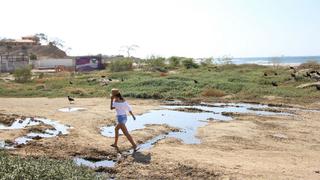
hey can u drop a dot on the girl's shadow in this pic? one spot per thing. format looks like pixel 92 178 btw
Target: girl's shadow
pixel 142 158
pixel 138 157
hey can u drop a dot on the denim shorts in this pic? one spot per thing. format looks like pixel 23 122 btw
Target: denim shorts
pixel 122 119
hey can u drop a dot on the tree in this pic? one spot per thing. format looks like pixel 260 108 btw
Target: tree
pixel 56 42
pixel 129 48
pixel 42 37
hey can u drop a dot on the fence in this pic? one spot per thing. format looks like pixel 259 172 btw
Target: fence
pixel 9 63
pixel 52 63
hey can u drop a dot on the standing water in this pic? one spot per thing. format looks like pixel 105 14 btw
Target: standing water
pixel 188 122
pixel 57 129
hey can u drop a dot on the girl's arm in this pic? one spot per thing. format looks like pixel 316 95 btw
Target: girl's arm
pixel 111 103
pixel 134 118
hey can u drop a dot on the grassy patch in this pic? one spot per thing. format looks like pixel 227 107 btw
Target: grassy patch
pixel 243 81
pixel 13 167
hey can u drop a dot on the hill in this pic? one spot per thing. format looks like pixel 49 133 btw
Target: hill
pixel 41 51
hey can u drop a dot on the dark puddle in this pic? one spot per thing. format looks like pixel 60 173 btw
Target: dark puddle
pixel 57 129
pixel 185 118
pixel 71 109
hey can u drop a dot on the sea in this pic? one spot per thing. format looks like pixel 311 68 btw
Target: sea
pixel 284 60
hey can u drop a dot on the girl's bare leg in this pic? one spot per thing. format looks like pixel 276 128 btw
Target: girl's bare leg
pixel 116 137
pixel 126 133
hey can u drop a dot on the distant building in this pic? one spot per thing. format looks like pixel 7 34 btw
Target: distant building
pixel 24 41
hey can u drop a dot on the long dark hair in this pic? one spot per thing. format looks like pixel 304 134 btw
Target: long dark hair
pixel 118 95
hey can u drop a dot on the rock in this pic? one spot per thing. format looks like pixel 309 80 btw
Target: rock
pixel 309 85
pixel 91 80
pixel 279 136
pixel 37 138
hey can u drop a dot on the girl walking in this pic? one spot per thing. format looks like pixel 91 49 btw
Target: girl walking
pixel 122 107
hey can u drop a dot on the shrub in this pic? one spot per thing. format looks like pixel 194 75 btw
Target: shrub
pixel 33 56
pixel 207 62
pixel 188 63
pixel 41 75
pixel 23 75
pixel 121 65
pixel 174 61
pixel 211 92
pixel 156 64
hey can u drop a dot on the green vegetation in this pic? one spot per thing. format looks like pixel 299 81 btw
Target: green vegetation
pixel 23 75
pixel 125 64
pixel 188 63
pixel 174 62
pixel 244 82
pixel 33 56
pixel 156 64
pixel 14 167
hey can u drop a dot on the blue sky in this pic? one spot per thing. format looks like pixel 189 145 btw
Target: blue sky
pixel 194 28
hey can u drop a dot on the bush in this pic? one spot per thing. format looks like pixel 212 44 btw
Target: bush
pixel 41 76
pixel 23 75
pixel 174 62
pixel 207 62
pixel 188 63
pixel 156 64
pixel 121 65
pixel 33 56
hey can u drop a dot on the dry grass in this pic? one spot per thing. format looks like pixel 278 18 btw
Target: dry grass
pixel 310 65
pixel 211 92
pixel 77 91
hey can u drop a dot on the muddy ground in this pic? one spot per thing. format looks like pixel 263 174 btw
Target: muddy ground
pixel 249 147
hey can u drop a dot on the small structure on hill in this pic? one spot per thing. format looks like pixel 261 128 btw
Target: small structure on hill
pixel 24 41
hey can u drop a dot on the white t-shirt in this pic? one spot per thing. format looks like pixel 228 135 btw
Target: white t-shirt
pixel 121 107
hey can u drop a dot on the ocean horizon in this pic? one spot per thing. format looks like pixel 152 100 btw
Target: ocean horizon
pixel 283 60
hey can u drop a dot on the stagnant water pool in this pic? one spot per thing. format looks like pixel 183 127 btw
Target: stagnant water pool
pixel 187 122
pixel 57 129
